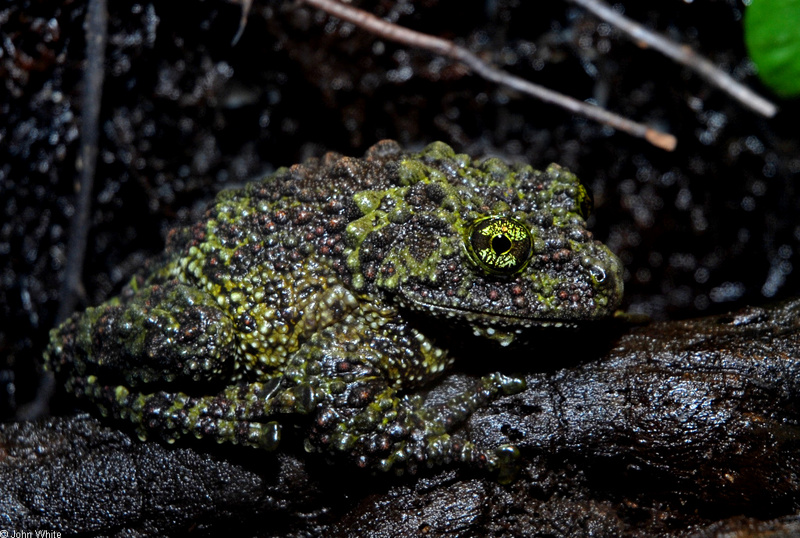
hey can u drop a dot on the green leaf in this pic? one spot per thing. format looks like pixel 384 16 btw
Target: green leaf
pixel 772 36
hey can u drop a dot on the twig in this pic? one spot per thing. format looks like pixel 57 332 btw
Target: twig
pixel 681 54
pixel 96 32
pixel 246 6
pixel 443 47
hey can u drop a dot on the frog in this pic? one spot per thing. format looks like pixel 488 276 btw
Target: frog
pixel 324 298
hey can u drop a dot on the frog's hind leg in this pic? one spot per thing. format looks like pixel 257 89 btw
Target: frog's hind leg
pixel 241 414
pixel 168 333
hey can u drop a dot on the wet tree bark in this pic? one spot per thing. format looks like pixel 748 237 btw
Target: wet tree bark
pixel 679 428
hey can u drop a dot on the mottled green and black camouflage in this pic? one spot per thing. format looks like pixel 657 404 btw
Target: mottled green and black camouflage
pixel 324 290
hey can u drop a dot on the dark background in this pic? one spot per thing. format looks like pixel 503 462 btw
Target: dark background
pixel 707 228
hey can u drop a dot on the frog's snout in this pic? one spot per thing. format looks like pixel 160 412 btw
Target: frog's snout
pixel 606 273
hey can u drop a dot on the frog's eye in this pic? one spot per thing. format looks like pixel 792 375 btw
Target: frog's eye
pixel 499 245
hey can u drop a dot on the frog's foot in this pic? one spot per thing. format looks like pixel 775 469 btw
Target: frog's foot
pixel 241 414
pixel 393 432
pixel 447 449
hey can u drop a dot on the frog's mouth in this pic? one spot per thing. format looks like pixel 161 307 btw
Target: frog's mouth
pixel 486 322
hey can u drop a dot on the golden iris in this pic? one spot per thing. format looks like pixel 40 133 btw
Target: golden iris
pixel 500 245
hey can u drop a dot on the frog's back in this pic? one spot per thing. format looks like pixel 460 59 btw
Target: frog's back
pixel 269 253
pixel 309 203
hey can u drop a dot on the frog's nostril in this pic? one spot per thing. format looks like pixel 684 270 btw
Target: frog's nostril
pixel 605 271
pixel 598 273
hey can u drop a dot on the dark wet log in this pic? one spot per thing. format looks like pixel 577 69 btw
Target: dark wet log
pixel 681 428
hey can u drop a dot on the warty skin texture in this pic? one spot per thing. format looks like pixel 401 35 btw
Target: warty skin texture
pixel 327 290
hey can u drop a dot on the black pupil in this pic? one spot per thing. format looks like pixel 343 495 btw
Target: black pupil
pixel 501 244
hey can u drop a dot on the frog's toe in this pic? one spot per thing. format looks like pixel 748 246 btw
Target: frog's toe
pixel 505 461
pixel 266 436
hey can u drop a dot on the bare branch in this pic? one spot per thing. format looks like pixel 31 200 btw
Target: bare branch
pixel 443 47
pixel 682 54
pixel 91 92
pixel 246 6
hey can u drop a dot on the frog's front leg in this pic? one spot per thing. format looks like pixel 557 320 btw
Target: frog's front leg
pixel 399 432
pixel 372 413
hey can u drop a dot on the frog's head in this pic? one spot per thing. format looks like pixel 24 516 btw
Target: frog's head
pixel 498 248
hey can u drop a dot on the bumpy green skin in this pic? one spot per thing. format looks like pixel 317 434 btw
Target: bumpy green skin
pixel 322 290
